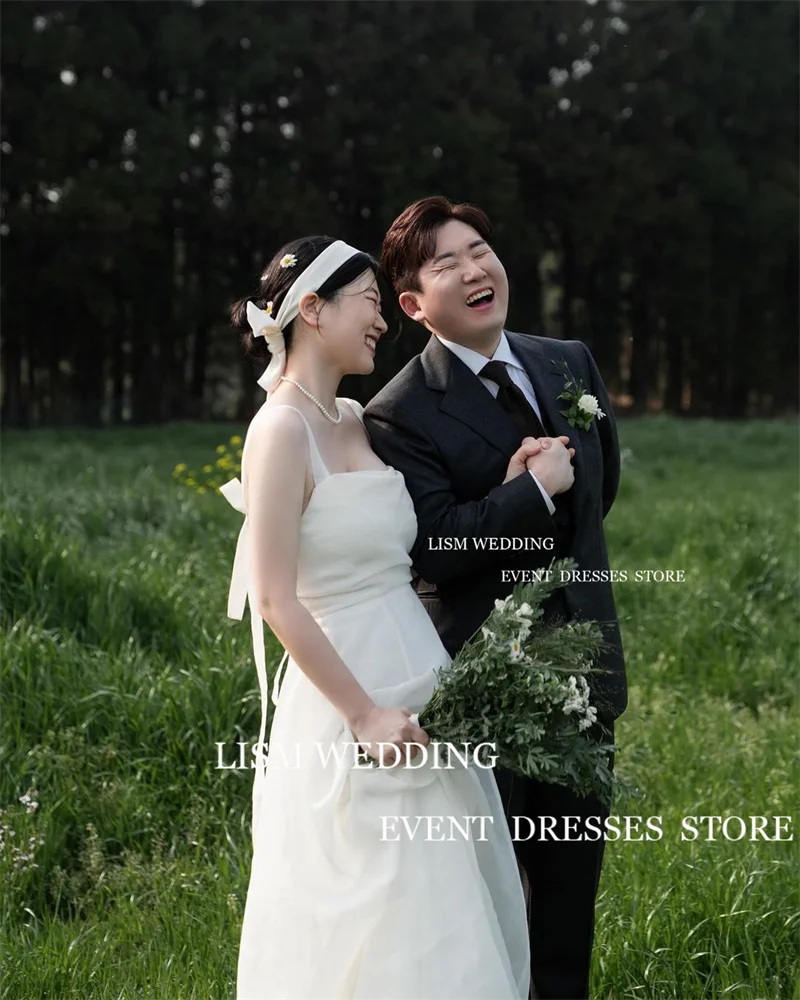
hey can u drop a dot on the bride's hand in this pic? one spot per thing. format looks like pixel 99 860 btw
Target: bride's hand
pixel 389 725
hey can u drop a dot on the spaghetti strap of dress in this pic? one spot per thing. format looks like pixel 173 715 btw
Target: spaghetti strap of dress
pixel 318 468
pixel 355 406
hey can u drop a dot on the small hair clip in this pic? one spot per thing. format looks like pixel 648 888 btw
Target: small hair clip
pixel 289 260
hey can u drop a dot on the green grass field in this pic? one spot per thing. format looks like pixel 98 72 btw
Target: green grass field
pixel 120 672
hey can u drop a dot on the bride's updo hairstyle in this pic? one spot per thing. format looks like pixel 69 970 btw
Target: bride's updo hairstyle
pixel 276 281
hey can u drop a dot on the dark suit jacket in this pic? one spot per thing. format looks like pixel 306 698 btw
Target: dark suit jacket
pixel 452 441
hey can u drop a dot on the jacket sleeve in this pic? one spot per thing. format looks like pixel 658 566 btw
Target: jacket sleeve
pixel 607 429
pixel 513 509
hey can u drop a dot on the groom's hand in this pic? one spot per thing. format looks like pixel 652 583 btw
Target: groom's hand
pixel 530 446
pixel 552 464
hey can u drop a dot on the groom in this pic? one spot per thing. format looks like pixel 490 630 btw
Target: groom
pixel 450 421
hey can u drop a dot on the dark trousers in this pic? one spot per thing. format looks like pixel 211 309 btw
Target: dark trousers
pixel 563 877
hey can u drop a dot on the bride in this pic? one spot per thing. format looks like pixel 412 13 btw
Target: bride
pixel 346 899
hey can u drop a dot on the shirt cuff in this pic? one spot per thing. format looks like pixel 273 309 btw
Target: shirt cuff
pixel 550 505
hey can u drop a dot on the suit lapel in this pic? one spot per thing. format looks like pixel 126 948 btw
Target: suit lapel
pixel 548 382
pixel 466 399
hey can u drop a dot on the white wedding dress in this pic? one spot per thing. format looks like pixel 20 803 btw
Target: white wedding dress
pixel 339 905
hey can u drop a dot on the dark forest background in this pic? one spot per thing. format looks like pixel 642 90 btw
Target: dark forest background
pixel 639 161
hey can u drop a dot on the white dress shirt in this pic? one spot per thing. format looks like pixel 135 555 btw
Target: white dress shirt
pixel 475 362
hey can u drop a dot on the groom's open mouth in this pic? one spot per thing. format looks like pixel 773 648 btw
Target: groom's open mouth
pixel 482 299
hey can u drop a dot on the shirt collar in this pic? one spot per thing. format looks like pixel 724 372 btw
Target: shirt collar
pixel 475 361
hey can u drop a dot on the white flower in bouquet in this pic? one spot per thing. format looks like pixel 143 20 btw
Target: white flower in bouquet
pixel 524 630
pixel 577 693
pixel 589 718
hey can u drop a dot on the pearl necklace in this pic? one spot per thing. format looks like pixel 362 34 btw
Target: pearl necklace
pixel 334 420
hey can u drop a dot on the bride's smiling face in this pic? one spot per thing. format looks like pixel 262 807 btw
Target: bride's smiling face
pixel 348 327
pixel 464 288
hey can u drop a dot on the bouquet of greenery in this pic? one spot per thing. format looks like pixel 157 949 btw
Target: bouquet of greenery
pixel 520 684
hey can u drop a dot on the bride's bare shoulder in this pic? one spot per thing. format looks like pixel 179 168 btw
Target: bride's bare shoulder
pixel 278 424
pixel 280 416
pixel 276 449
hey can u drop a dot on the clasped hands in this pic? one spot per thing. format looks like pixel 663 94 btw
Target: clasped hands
pixel 548 458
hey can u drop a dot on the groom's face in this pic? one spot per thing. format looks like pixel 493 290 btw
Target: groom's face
pixel 462 265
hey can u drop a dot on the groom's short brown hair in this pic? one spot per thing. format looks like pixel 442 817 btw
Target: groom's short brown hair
pixel 411 238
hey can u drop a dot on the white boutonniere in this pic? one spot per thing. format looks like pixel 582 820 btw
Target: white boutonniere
pixel 583 406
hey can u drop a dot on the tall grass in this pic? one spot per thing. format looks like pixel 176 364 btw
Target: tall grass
pixel 120 673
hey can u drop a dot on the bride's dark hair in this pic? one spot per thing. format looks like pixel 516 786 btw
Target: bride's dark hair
pixel 276 281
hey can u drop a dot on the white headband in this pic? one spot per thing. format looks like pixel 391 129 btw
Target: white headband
pixel 263 324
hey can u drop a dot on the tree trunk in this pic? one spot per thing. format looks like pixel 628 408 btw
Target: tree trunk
pixel 568 284
pixel 673 395
pixel 602 304
pixel 640 380
pixel 14 410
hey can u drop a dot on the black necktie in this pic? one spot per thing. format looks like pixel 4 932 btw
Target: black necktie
pixel 513 400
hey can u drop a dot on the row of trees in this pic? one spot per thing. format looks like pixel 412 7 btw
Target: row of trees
pixel 639 161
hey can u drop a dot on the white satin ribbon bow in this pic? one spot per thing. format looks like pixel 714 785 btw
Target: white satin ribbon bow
pixel 263 325
pixel 239 593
